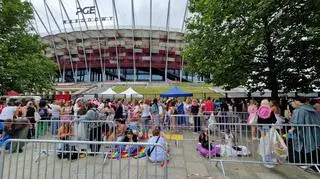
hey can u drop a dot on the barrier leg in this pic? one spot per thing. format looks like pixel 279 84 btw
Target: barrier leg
pixel 222 167
pixel 317 168
pixel 105 158
pixel 42 152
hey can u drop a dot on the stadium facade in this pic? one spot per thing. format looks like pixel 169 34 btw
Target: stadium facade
pixel 124 40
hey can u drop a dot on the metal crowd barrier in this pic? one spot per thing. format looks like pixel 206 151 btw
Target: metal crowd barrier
pixel 181 127
pixel 79 129
pixel 31 163
pixel 278 144
pixel 242 115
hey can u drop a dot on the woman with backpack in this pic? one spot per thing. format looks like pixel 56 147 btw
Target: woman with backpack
pixel 265 116
pixel 30 116
pixel 43 111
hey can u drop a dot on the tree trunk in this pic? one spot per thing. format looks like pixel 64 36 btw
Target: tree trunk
pixel 274 89
pixel 272 75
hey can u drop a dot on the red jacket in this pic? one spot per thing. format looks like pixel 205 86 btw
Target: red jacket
pixel 209 106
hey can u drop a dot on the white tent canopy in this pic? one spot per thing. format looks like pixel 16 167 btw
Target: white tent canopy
pixel 242 92
pixel 109 91
pixel 130 93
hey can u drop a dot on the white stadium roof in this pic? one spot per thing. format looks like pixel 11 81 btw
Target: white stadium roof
pixel 64 16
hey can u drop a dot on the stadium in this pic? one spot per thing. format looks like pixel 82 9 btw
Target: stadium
pixel 113 40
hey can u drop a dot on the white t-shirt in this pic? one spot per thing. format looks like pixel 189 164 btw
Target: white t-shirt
pixel 55 110
pixel 8 113
pixel 145 110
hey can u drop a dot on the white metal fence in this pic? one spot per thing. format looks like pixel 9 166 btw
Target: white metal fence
pixel 44 159
pixel 281 144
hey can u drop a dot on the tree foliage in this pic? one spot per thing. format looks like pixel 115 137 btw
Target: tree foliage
pixel 261 44
pixel 23 66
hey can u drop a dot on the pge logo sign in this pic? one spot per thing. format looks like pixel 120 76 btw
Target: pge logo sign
pixel 86 10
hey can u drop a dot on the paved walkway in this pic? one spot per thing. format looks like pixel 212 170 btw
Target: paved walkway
pixel 185 163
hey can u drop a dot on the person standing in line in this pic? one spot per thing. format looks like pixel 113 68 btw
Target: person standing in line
pixel 30 116
pixel 265 116
pixel 118 110
pixel 317 104
pixel 181 115
pixel 307 143
pixel 94 127
pixel 187 105
pixel 42 127
pixel 145 118
pixel 194 109
pixel 155 112
pixel 252 110
pixel 55 117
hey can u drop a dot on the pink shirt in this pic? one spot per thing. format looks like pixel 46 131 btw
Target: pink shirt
pixel 252 110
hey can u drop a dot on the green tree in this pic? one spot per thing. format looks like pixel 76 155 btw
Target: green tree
pixel 23 66
pixel 261 44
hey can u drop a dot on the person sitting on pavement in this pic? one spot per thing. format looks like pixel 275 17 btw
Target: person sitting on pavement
pixel 65 131
pixel 157 153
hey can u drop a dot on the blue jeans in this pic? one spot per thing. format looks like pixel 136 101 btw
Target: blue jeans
pixel 145 124
pixel 54 126
pixel 156 120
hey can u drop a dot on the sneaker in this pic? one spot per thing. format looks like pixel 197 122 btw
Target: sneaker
pixel 303 167
pixel 268 165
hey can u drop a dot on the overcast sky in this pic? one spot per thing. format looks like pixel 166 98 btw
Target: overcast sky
pixel 123 7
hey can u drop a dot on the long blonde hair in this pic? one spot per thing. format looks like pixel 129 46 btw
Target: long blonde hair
pixel 265 102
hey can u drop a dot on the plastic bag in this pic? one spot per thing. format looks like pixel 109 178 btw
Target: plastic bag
pixel 265 149
pixel 191 120
pixel 37 116
pixel 280 148
pixel 272 147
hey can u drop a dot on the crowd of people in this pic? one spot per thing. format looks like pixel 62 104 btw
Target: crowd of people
pixel 304 148
pixel 132 121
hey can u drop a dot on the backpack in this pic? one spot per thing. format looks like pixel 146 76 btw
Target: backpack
pixel 155 109
pixel 43 112
pixel 264 112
